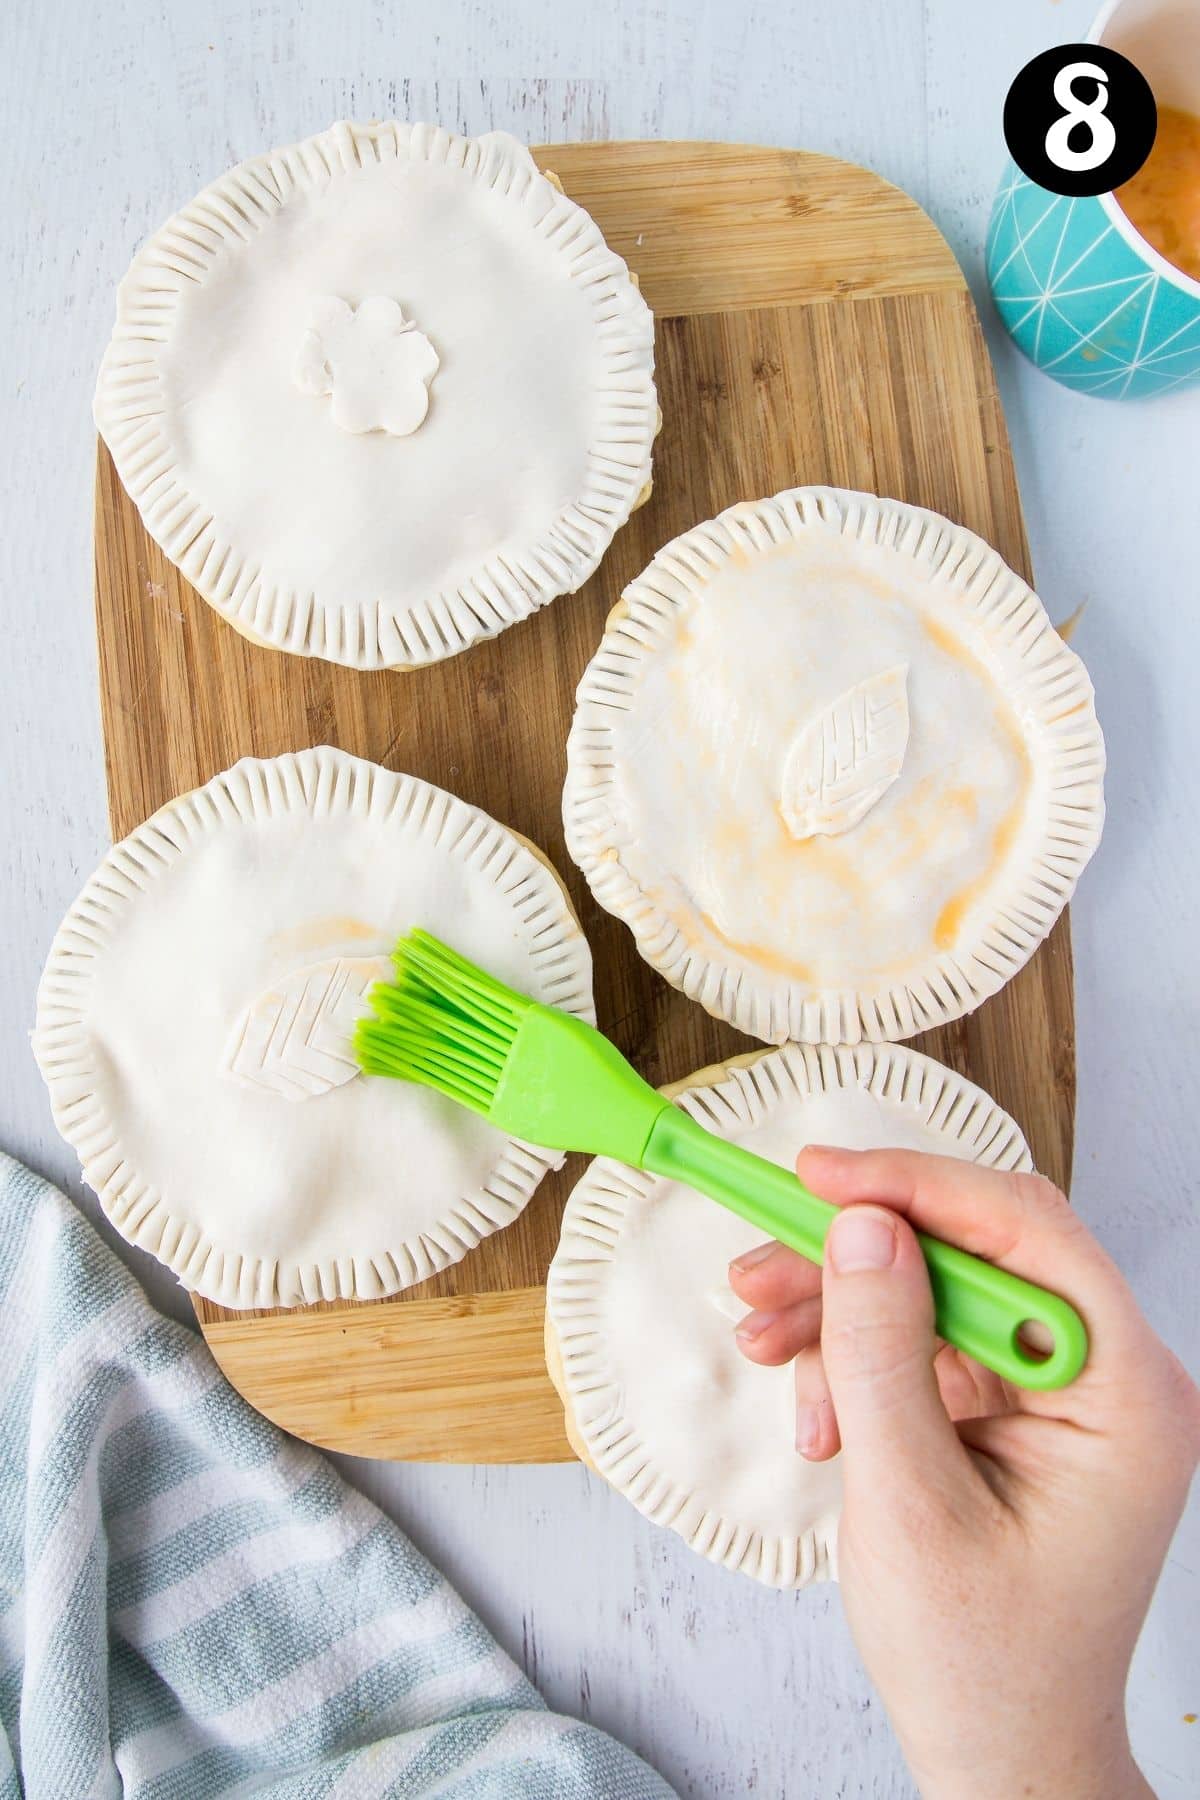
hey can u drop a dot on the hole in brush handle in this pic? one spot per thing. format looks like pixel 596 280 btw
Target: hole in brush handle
pixel 1003 1321
pixel 1035 1340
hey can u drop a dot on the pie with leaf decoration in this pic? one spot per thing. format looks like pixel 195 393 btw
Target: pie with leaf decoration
pixel 195 1029
pixel 834 767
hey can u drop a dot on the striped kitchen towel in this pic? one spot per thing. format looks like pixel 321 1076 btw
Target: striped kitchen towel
pixel 194 1604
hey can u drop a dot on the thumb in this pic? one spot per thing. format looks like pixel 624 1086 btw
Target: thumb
pixel 877 1345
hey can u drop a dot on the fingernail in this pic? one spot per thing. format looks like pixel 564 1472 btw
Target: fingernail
pixel 861 1238
pixel 754 1324
pixel 753 1257
pixel 808 1429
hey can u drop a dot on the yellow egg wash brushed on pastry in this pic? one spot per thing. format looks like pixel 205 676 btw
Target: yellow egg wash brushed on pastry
pixel 824 856
pixel 694 927
pixel 918 823
pixel 841 878
pixel 761 953
pixel 318 934
pixel 684 639
pixel 894 841
pixel 950 919
pixel 818 575
pixel 959 652
pixel 902 836
pixel 962 799
pixel 948 643
pixel 1070 712
pixel 730 837
pixel 781 843
pixel 773 875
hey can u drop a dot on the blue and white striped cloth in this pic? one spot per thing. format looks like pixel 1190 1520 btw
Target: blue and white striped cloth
pixel 194 1604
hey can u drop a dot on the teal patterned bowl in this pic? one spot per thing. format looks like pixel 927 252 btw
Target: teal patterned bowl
pixel 1089 302
pixel 1084 296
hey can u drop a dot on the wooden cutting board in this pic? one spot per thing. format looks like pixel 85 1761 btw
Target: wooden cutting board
pixel 812 326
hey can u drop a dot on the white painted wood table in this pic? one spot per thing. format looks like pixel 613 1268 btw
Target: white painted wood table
pixel 114 115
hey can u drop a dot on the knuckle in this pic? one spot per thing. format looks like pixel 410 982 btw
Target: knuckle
pixel 1163 1407
pixel 1038 1196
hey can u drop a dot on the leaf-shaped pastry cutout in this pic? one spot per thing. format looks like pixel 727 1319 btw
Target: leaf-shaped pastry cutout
pixel 295 1038
pixel 847 757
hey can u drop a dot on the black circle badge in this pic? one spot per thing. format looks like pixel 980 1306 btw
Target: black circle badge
pixel 1080 119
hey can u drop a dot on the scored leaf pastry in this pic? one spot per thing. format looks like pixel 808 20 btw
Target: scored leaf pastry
pixel 195 1018
pixel 834 767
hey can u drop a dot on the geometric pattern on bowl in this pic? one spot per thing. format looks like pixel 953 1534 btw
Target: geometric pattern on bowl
pixel 1079 300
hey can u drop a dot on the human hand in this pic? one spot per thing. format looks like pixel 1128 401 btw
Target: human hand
pixel 998 1548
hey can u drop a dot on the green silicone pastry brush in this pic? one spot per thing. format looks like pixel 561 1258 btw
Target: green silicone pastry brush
pixel 551 1079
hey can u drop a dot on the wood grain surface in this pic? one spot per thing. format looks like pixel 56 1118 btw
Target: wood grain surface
pixel 812 326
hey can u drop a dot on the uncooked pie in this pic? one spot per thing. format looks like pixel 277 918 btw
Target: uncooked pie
pixel 382 393
pixel 194 1024
pixel 640 1317
pixel 834 767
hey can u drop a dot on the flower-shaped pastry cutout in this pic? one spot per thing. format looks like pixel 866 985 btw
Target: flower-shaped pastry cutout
pixel 373 361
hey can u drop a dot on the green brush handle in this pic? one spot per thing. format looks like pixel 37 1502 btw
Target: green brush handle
pixel 978 1307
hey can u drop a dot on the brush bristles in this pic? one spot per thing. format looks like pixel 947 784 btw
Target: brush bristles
pixel 442 1022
